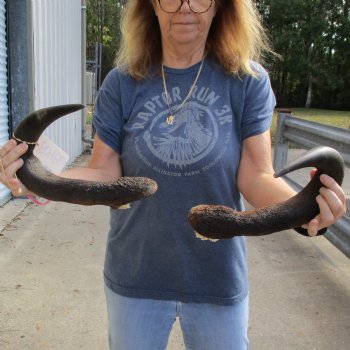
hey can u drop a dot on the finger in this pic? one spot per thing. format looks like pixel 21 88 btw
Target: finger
pixel 313 172
pixel 7 177
pixel 7 147
pixel 13 183
pixel 10 154
pixel 336 205
pixel 328 213
pixel 313 227
pixel 10 171
pixel 331 184
pixel 10 163
pixel 16 187
pixel 3 178
pixel 326 217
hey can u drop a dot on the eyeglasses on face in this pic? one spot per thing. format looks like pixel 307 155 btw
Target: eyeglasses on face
pixel 197 6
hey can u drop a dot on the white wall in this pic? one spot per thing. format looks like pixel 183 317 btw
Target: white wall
pixel 57 64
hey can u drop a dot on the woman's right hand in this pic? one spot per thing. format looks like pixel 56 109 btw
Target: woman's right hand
pixel 10 162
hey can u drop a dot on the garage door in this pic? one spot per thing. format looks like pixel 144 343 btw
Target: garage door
pixel 4 115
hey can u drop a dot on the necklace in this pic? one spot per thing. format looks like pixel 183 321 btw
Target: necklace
pixel 172 114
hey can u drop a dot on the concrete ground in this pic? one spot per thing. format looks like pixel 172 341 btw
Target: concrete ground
pixel 51 288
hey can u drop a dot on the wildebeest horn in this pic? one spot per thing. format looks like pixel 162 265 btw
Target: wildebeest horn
pixel 220 222
pixel 45 184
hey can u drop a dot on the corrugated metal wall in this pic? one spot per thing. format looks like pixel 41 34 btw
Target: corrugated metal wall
pixel 57 67
pixel 4 136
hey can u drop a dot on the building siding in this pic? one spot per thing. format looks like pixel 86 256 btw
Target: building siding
pixel 57 67
pixel 5 194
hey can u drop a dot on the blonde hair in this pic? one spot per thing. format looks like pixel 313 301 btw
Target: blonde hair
pixel 235 38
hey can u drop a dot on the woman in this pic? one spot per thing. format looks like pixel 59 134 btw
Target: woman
pixel 188 108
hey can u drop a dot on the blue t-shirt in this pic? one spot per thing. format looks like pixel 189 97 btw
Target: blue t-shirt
pixel 152 251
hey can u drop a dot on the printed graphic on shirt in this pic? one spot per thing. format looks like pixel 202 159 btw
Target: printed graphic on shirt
pixel 186 147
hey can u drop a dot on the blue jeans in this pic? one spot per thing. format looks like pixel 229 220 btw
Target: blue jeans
pixel 145 324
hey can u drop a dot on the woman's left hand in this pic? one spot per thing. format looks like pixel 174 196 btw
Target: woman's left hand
pixel 332 203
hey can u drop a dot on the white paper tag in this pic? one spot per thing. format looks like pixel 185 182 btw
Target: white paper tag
pixel 53 158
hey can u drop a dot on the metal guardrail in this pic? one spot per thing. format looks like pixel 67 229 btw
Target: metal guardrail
pixel 307 134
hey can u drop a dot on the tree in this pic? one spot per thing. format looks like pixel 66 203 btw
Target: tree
pixel 312 37
pixel 103 26
pixel 332 88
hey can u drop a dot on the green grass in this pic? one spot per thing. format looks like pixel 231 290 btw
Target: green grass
pixel 88 116
pixel 339 119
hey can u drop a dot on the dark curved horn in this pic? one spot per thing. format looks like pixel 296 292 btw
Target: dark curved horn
pixel 45 184
pixel 220 222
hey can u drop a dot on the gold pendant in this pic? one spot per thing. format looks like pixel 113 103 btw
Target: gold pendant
pixel 170 120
